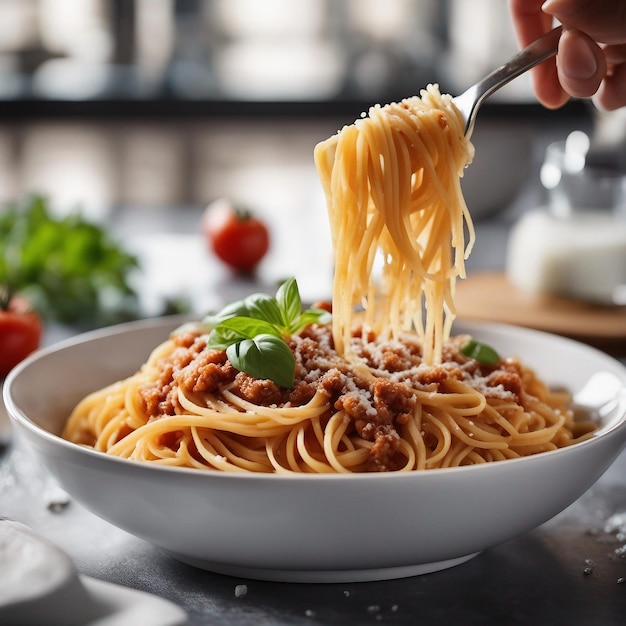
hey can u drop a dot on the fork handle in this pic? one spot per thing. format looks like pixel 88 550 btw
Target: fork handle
pixel 536 52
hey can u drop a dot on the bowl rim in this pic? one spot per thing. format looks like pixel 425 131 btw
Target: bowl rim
pixel 615 424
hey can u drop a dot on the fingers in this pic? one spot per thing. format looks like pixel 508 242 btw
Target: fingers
pixel 612 92
pixel 603 20
pixel 529 20
pixel 615 55
pixel 547 85
pixel 582 67
pixel 530 24
pixel 581 64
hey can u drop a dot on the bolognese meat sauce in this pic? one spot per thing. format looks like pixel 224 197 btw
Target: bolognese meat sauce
pixel 377 404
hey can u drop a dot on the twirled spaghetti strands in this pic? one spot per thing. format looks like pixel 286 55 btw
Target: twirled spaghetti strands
pixel 407 203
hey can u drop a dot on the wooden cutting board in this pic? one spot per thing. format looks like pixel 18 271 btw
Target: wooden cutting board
pixel 491 297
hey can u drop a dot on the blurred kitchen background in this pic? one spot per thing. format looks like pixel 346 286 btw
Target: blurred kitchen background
pixel 141 112
pixel 147 102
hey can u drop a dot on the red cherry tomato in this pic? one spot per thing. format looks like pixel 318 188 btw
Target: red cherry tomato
pixel 236 236
pixel 20 332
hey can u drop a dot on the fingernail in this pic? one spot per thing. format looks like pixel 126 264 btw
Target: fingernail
pixel 561 9
pixel 551 7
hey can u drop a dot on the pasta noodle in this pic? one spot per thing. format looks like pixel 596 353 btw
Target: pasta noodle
pixel 383 389
pixel 390 411
pixel 392 183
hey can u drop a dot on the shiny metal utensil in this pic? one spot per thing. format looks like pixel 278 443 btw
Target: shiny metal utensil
pixel 537 52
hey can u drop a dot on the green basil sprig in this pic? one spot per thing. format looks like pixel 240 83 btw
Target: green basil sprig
pixel 253 332
pixel 480 351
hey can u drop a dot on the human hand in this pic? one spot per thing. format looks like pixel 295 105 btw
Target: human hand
pixel 591 59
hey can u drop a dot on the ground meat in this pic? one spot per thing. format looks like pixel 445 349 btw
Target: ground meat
pixel 392 399
pixel 313 351
pixel 393 362
pixel 333 383
pixel 153 398
pixel 433 375
pixel 394 356
pixel 359 409
pixel 376 414
pixel 378 402
pixel 191 367
pixel 388 359
pixel 451 351
pixel 376 410
pixel 208 371
pixel 189 338
pixel 507 377
pixel 160 397
pixel 382 453
pixel 257 390
pixel 301 393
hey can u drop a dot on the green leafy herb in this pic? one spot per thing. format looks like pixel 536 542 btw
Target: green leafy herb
pixel 253 332
pixel 70 269
pixel 264 356
pixel 234 329
pixel 480 351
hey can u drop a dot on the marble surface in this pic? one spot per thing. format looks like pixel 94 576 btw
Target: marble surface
pixel 571 570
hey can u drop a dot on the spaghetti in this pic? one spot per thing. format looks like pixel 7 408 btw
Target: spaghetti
pixel 392 183
pixel 386 411
pixel 388 390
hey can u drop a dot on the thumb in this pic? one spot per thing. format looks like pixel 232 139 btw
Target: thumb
pixel 581 64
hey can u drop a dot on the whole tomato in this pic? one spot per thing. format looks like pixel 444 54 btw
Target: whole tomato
pixel 236 236
pixel 20 331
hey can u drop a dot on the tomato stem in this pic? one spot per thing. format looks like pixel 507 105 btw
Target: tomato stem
pixel 242 214
pixel 5 297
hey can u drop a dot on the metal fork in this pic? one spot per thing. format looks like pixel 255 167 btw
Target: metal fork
pixel 537 52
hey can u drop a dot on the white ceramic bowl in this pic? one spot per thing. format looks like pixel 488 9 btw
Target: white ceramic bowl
pixel 307 528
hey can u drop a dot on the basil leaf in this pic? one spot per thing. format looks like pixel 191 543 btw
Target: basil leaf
pixel 235 309
pixel 264 307
pixel 235 329
pixel 222 337
pixel 259 306
pixel 311 316
pixel 481 352
pixel 252 330
pixel 290 303
pixel 265 357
